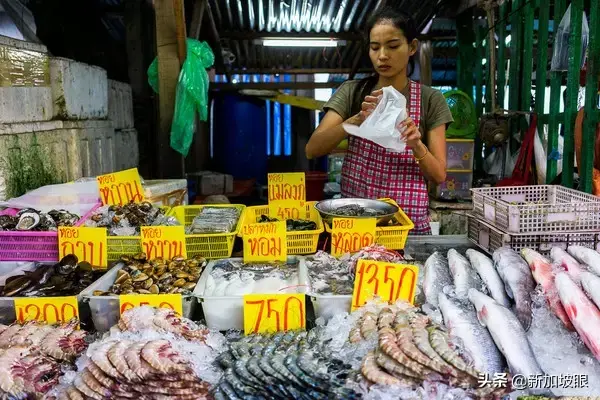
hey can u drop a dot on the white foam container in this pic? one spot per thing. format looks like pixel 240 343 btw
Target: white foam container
pixel 120 104
pixel 127 153
pixel 326 306
pixel 105 310
pixel 227 312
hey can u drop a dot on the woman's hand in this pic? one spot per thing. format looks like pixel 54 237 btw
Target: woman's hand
pixel 411 135
pixel 368 105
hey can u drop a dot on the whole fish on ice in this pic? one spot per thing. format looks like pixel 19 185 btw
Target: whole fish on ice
pixel 436 277
pixel 485 268
pixel 518 281
pixel 567 262
pixel 591 286
pixel 541 269
pixel 464 276
pixel 583 313
pixel 508 334
pixel 587 256
pixel 475 341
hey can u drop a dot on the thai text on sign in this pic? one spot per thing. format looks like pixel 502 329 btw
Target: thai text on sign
pixel 288 186
pixel 387 281
pixel 172 301
pixel 273 313
pixel 349 235
pixel 121 187
pixel 163 241
pixel 265 242
pixel 51 310
pixel 88 244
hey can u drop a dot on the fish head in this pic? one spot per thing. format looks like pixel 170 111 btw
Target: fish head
pixel 482 303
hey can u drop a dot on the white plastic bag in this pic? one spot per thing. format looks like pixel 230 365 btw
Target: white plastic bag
pixel 560 50
pixel 381 126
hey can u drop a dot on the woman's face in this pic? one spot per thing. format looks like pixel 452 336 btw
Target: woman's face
pixel 389 49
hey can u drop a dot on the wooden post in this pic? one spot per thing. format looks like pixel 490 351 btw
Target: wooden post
pixel 170 163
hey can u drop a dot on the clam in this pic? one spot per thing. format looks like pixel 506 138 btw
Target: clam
pixel 147 283
pixel 183 275
pixel 173 290
pixel 144 291
pixel 189 286
pixel 179 282
pixel 154 289
pixel 140 257
pixel 165 276
pixel 159 270
pixel 140 277
pixel 122 276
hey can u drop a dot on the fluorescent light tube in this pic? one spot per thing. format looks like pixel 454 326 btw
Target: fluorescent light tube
pixel 317 42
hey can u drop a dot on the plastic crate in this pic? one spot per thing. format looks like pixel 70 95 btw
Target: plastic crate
pixel 392 237
pixel 31 245
pixel 490 238
pixel 459 154
pixel 208 245
pixel 537 209
pixel 298 242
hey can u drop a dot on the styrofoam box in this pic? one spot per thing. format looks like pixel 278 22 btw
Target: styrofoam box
pixel 120 104
pixel 158 189
pixel 127 154
pixel 227 312
pixel 79 91
pixel 326 306
pixel 77 148
pixel 105 310
pixel 22 101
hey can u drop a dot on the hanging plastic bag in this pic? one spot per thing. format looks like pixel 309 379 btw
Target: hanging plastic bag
pixel 192 93
pixel 381 126
pixel 560 50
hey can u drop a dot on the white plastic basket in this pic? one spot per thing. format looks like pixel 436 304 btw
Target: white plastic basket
pixel 537 209
pixel 490 238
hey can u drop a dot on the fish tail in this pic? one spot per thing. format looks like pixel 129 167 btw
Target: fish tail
pixel 523 313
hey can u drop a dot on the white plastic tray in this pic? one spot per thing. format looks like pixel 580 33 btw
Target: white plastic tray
pixel 227 312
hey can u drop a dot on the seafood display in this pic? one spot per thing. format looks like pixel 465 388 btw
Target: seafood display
pixel 292 224
pixel 291 365
pixel 68 277
pixel 234 278
pixel 33 355
pixel 157 276
pixel 214 220
pixel 33 220
pixel 126 220
pixel 355 210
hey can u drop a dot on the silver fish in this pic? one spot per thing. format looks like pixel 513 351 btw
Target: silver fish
pixel 461 320
pixel 518 281
pixel 508 334
pixel 567 262
pixel 587 256
pixel 436 277
pixel 463 274
pixel 591 286
pixel 485 268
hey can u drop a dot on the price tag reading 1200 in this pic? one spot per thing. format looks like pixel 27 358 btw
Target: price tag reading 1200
pixel 163 242
pixel 121 187
pixel 172 301
pixel 265 242
pixel 51 310
pixel 387 281
pixel 273 313
pixel 88 244
pixel 349 235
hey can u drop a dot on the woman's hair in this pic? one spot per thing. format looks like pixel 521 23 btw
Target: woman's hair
pixel 401 21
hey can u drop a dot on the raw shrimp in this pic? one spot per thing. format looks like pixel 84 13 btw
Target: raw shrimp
pixel 439 342
pixel 371 371
pixel 369 324
pixel 387 343
pixel 161 356
pixel 116 356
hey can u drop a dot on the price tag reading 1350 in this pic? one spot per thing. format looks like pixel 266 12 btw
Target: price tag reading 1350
pixel 387 281
pixel 88 244
pixel 267 313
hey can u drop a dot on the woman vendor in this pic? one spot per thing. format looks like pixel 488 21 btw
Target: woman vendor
pixel 369 170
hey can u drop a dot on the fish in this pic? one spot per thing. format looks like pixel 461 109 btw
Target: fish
pixel 541 269
pixel 586 256
pixel 518 281
pixel 584 315
pixel 436 277
pixel 488 274
pixel 508 334
pixel 591 286
pixel 476 342
pixel 464 276
pixel 567 262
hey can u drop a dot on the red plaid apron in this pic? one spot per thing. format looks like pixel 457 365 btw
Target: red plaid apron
pixel 373 172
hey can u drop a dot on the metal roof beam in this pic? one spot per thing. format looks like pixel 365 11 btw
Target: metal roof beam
pixel 297 71
pixel 273 85
pixel 219 48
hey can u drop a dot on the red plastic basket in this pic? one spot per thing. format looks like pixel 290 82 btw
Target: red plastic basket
pixel 32 246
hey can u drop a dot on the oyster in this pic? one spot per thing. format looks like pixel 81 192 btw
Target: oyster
pixel 28 221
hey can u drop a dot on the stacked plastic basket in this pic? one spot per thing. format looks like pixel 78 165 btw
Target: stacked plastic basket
pixel 538 217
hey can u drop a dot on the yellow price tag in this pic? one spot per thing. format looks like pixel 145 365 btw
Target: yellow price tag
pixel 384 280
pixel 273 313
pixel 265 242
pixel 288 186
pixel 121 187
pixel 163 241
pixel 288 209
pixel 88 244
pixel 51 310
pixel 349 235
pixel 172 301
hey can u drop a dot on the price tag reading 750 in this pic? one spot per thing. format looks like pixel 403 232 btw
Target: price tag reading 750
pixel 387 281
pixel 267 313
